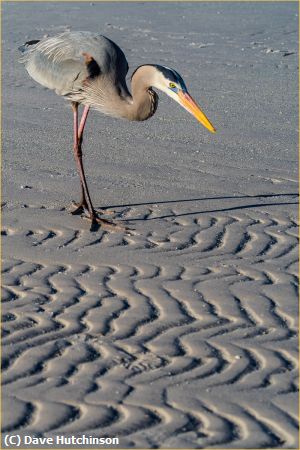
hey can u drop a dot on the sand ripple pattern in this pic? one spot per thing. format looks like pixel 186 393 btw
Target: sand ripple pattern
pixel 154 353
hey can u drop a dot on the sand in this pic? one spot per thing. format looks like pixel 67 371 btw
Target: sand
pixel 183 334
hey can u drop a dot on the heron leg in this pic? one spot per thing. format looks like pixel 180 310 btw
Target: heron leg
pixel 86 202
pixel 78 135
pixel 79 206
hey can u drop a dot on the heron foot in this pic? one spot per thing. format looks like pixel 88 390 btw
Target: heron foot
pixel 107 211
pixel 81 207
pixel 97 222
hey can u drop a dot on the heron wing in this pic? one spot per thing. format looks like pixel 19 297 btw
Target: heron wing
pixel 60 62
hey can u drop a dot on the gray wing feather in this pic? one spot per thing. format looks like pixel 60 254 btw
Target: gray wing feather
pixel 58 62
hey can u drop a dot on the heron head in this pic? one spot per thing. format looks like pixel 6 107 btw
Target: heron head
pixel 171 83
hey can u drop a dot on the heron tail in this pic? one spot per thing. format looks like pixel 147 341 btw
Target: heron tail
pixel 23 48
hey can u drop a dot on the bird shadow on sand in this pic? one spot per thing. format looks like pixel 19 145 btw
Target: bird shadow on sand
pixel 230 208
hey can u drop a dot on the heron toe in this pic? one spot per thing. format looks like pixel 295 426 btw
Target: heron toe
pixel 98 222
pixel 79 208
pixel 107 211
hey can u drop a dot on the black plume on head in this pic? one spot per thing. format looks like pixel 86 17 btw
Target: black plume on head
pixel 169 74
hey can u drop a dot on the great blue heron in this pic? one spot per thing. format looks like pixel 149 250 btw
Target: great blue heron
pixel 87 68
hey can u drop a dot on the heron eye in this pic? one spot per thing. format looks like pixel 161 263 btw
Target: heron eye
pixel 172 85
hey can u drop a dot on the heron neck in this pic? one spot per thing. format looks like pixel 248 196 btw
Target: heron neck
pixel 144 99
pixel 144 103
pixel 115 100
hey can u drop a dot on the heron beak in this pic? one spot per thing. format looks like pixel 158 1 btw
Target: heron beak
pixel 191 106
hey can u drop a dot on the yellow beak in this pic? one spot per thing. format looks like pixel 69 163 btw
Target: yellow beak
pixel 191 106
